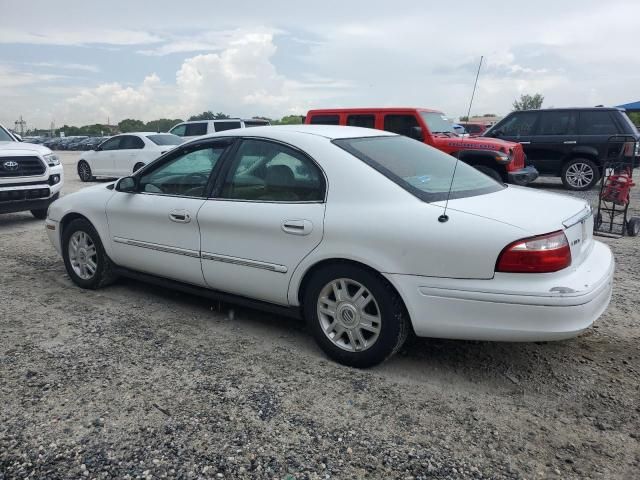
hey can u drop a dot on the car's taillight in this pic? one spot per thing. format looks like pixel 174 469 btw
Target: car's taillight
pixel 540 254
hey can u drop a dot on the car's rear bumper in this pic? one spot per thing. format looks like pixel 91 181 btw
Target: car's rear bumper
pixel 511 307
pixel 524 176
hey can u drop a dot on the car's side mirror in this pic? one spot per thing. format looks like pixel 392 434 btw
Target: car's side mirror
pixel 127 185
pixel 416 134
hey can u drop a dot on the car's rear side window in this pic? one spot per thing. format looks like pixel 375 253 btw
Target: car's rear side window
pixel 400 124
pixel 196 129
pixel 563 122
pixel 597 123
pixel 365 121
pixel 222 126
pixel 325 120
pixel 418 168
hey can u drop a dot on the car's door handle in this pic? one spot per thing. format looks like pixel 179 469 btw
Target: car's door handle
pixel 525 143
pixel 570 142
pixel 179 216
pixel 297 227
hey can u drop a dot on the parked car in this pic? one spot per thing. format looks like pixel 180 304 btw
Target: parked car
pixel 502 161
pixel 474 129
pixel 123 154
pixel 344 226
pixel 31 176
pixel 570 143
pixel 197 128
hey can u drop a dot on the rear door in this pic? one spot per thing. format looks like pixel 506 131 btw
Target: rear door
pixel 267 215
pixel 195 129
pixel 126 156
pixel 594 128
pixel 556 136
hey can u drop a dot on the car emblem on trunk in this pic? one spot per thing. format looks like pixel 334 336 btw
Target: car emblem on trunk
pixel 10 165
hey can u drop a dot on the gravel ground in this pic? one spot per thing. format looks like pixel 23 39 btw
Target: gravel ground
pixel 134 381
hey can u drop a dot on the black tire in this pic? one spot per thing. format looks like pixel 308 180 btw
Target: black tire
pixel 394 324
pixel 40 213
pixel 103 274
pixel 633 226
pixel 84 171
pixel 490 172
pixel 137 167
pixel 577 183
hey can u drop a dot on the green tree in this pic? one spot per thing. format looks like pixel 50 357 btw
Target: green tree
pixel 635 117
pixel 528 102
pixel 162 124
pixel 130 125
pixel 289 120
pixel 209 115
pixel 464 118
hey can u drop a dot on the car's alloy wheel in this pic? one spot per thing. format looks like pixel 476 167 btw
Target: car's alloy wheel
pixel 580 174
pixel 355 315
pixel 349 315
pixel 84 257
pixel 84 171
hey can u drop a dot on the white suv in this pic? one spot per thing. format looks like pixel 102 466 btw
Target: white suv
pixel 197 128
pixel 31 176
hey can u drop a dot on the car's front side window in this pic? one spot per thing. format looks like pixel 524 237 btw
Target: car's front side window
pixel 517 124
pixel 187 174
pixel 111 144
pixel 421 170
pixel 268 171
pixel 178 130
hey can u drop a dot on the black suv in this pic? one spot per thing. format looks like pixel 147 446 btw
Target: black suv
pixel 569 143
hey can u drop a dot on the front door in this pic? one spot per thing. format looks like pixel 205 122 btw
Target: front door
pixel 267 215
pixel 519 127
pixel 102 160
pixel 155 230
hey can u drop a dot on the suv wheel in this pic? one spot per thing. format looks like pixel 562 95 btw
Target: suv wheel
pixel 355 316
pixel 84 257
pixel 580 174
pixel 40 213
pixel 84 171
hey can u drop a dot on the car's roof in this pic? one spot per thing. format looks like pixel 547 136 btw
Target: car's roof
pixel 327 131
pixel 564 109
pixel 371 110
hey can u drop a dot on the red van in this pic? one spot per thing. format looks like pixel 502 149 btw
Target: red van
pixel 504 161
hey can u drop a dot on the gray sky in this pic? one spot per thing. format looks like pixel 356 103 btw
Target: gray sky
pixel 79 62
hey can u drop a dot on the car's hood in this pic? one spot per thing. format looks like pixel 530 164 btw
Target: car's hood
pixel 531 210
pixel 474 143
pixel 20 148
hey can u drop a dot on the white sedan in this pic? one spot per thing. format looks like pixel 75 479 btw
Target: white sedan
pixel 347 228
pixel 121 155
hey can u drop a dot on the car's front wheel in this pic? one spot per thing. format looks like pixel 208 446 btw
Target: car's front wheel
pixel 39 213
pixel 84 171
pixel 580 174
pixel 356 317
pixel 84 257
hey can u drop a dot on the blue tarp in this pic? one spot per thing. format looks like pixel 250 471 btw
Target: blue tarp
pixel 631 107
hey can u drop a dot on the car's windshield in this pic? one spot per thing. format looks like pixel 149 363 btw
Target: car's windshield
pixel 418 168
pixel 437 122
pixel 4 136
pixel 165 139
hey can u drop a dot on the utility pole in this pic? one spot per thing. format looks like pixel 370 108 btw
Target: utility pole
pixel 20 124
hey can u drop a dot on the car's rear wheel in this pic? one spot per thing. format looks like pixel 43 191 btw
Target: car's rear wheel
pixel 580 174
pixel 490 172
pixel 137 166
pixel 84 257
pixel 84 171
pixel 356 317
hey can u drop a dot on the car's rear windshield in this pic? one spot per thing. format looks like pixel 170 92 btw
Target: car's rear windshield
pixel 165 139
pixel 418 168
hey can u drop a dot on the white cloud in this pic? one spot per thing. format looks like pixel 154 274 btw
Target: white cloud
pixel 76 36
pixel 65 66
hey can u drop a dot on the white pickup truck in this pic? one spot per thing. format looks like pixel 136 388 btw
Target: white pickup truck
pixel 31 176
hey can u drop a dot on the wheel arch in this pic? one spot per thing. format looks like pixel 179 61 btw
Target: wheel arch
pixel 299 288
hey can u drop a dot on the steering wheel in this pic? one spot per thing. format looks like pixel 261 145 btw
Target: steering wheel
pixel 198 179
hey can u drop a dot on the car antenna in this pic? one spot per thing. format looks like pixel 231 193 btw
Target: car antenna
pixel 444 217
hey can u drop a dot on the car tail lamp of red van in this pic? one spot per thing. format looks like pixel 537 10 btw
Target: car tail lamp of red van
pixel 540 254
